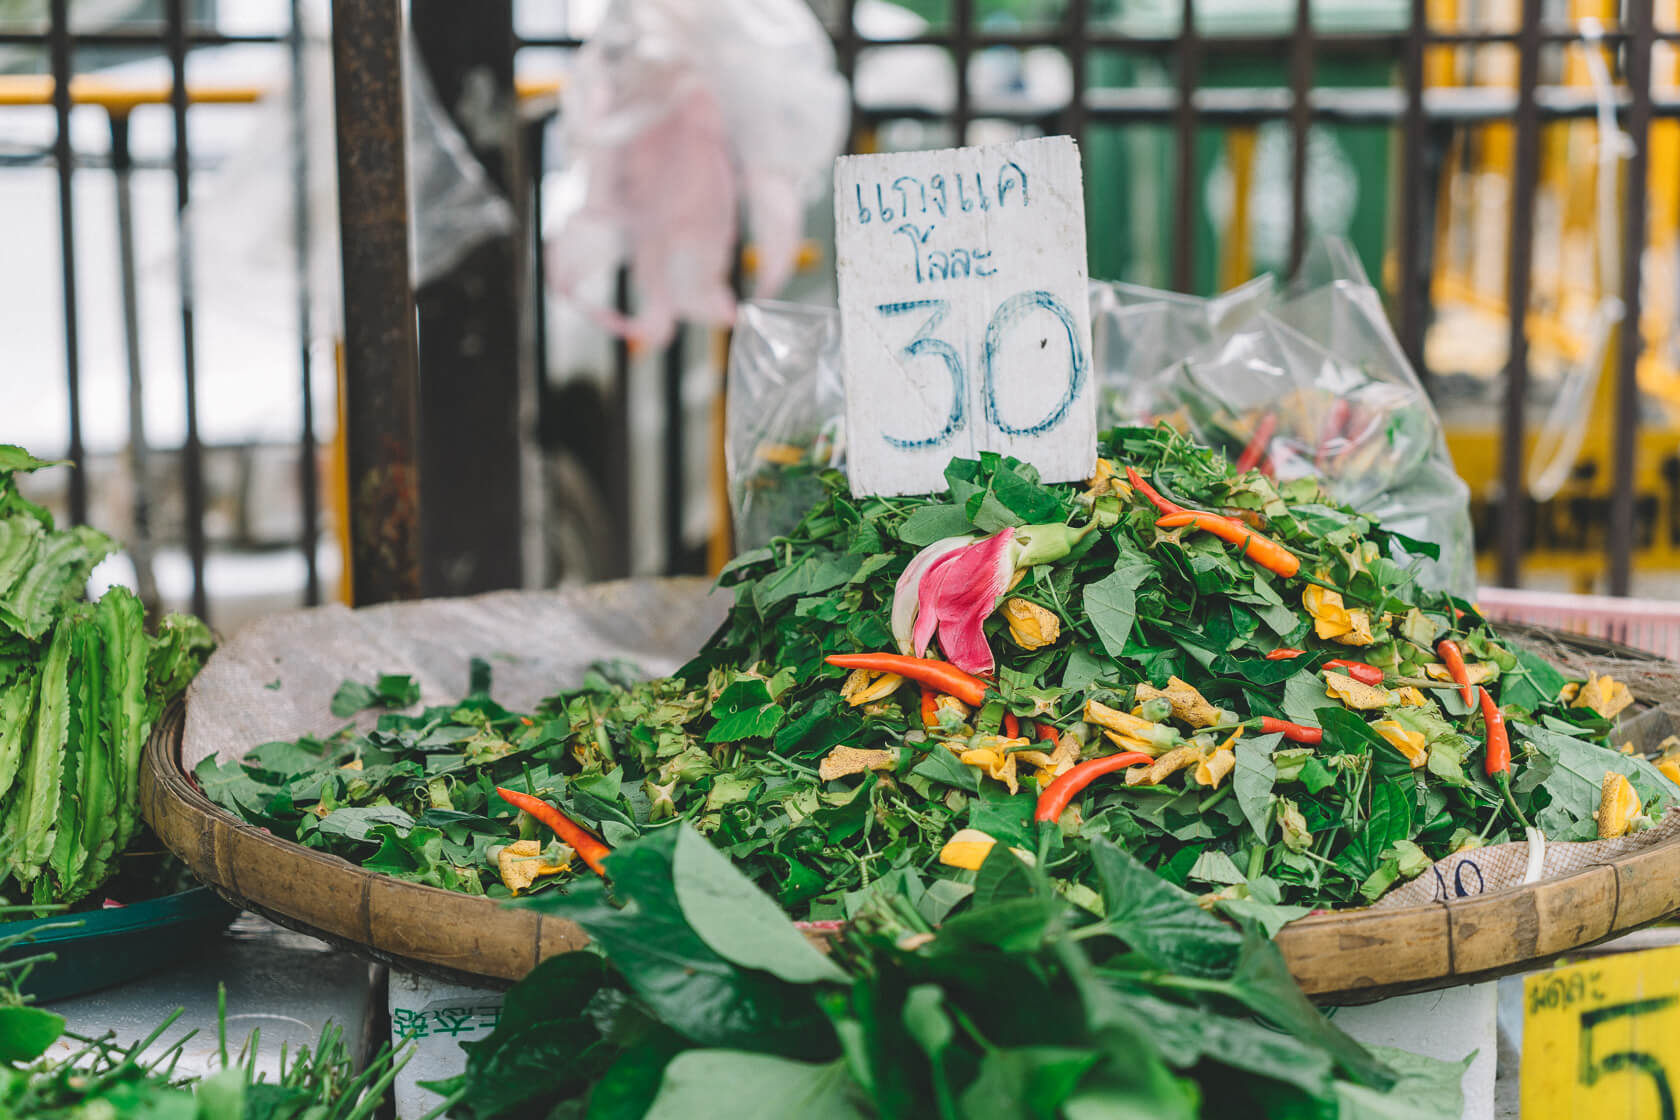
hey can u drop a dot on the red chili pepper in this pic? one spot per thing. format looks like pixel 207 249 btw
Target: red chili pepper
pixel 1151 493
pixel 1064 789
pixel 1498 739
pixel 1358 670
pixel 930 707
pixel 1284 653
pixel 1498 762
pixel 588 848
pixel 1294 732
pixel 1011 726
pixel 1447 650
pixel 939 675
pixel 1257 446
pixel 1262 550
pixel 1048 734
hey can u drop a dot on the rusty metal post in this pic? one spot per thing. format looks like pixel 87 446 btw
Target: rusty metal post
pixel 1184 176
pixel 1513 496
pixel 381 377
pixel 1300 130
pixel 1417 228
pixel 469 320
pixel 1624 455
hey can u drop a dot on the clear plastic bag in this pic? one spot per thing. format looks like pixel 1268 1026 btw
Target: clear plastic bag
pixel 785 414
pixel 243 222
pixel 676 115
pixel 1308 381
pixel 1305 381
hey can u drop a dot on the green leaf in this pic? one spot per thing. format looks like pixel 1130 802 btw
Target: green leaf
pixel 815 573
pixel 1427 1089
pixel 1577 768
pixel 683 981
pixel 356 823
pixel 353 697
pixel 1111 602
pixel 1263 984
pixel 1029 1081
pixel 1160 921
pixel 738 921
pixel 545 1047
pixel 1535 682
pixel 934 523
pixel 397 690
pixel 15 460
pixel 1390 820
pixel 26 1032
pixel 731 1085
pixel 1253 780
pixel 754 723
pixel 1303 696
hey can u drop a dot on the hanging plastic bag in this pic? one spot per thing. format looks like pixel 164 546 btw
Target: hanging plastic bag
pixel 677 115
pixel 1308 381
pixel 244 221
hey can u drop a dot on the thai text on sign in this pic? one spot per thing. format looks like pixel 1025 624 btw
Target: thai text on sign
pixel 965 319
pixel 1602 1038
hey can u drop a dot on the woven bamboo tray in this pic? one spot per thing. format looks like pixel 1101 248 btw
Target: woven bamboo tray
pixel 1337 958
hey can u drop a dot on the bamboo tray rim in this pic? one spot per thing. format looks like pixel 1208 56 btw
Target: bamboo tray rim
pixel 1344 957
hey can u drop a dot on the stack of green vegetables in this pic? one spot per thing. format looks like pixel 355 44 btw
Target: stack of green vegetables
pixel 80 686
pixel 98 1078
pixel 1241 683
pixel 710 1004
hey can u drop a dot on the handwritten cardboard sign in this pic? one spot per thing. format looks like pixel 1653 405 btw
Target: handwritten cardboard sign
pixel 965 321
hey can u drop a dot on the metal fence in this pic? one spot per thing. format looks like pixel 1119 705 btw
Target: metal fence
pixel 1408 108
pixel 1416 115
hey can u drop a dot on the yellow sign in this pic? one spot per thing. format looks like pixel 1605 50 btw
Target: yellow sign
pixel 1602 1039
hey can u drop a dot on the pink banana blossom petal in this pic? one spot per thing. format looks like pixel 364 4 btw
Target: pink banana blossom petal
pixel 958 593
pixel 906 592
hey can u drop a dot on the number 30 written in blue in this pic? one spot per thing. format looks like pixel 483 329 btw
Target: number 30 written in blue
pixel 1009 313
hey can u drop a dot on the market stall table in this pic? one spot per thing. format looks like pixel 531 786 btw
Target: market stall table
pixel 274 681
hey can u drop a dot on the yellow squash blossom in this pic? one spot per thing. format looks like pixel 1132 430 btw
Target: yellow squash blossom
pixel 1030 625
pixel 521 864
pixel 1106 480
pixel 1293 825
pixel 1411 696
pixel 1477 672
pixel 967 849
pixel 1155 737
pixel 1669 760
pixel 1053 764
pixel 1127 743
pixel 1410 743
pixel 1162 768
pixel 1604 695
pixel 865 687
pixel 995 755
pixel 1618 807
pixel 1333 621
pixel 1357 694
pixel 842 762
pixel 1188 704
pixel 1216 765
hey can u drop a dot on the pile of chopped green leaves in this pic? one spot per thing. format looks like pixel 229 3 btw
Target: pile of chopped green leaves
pixel 707 997
pixel 97 1077
pixel 81 684
pixel 734 742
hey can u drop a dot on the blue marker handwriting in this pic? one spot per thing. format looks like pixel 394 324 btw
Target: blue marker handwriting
pixel 926 344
